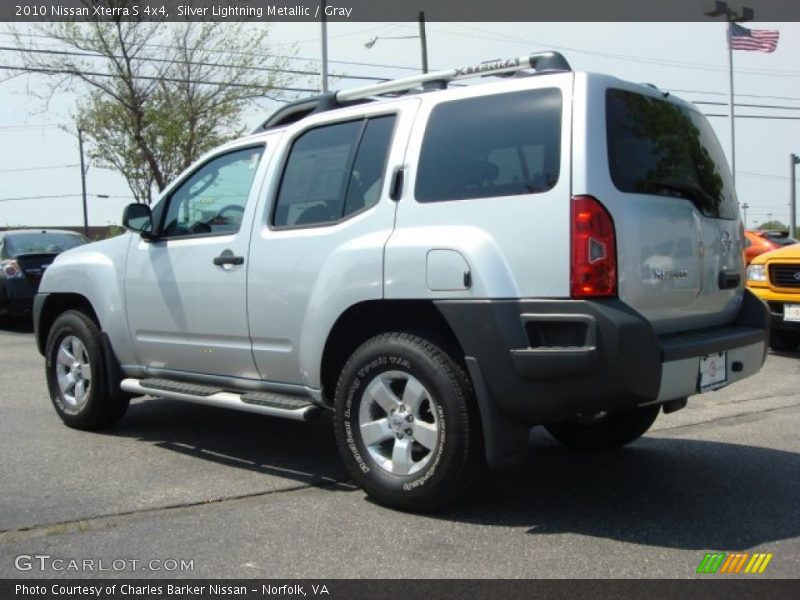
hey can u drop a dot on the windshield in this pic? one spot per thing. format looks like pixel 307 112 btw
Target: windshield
pixel 42 243
pixel 657 147
pixel 780 238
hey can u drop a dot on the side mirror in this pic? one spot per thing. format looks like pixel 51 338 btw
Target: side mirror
pixel 137 217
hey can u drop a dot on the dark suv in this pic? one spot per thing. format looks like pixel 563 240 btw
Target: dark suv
pixel 24 256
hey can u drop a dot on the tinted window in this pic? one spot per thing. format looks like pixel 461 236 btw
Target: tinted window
pixel 333 171
pixel 32 243
pixel 656 147
pixel 500 145
pixel 212 199
pixel 366 181
pixel 780 238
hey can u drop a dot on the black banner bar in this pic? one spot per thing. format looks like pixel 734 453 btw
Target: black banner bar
pixel 720 588
pixel 385 10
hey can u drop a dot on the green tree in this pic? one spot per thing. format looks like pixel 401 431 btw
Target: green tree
pixel 773 226
pixel 154 96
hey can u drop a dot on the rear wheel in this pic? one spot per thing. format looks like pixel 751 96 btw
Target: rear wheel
pixel 605 431
pixel 403 424
pixel 77 374
pixel 784 341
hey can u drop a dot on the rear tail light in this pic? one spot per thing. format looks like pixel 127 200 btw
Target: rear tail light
pixel 9 269
pixel 594 251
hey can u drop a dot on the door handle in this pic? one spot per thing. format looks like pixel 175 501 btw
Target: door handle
pixel 396 189
pixel 227 258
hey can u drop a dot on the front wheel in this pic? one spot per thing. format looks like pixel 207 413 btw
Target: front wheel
pixel 403 423
pixel 77 374
pixel 605 431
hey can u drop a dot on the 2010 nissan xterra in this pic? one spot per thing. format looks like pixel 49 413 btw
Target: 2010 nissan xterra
pixel 377 253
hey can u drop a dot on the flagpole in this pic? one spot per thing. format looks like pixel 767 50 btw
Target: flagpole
pixel 730 79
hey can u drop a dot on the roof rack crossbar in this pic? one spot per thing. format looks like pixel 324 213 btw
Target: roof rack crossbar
pixel 540 61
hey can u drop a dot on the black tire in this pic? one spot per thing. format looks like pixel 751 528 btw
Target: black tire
pixel 784 341
pixel 399 359
pixel 99 408
pixel 605 432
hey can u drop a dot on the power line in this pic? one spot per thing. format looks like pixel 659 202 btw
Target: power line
pixel 260 54
pixel 761 175
pixel 189 62
pixel 774 106
pixel 36 126
pixel 780 118
pixel 38 168
pixel 54 196
pixel 737 94
pixel 646 60
pixel 151 78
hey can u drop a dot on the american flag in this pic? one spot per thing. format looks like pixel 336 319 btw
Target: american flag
pixel 760 40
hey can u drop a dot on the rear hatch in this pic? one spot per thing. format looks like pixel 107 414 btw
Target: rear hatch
pixel 33 266
pixel 34 251
pixel 668 188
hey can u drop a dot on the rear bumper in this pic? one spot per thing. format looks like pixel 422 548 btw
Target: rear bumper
pixel 548 360
pixel 16 297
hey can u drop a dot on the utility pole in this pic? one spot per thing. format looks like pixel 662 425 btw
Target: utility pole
pixel 423 42
pixel 83 185
pixel 745 206
pixel 793 160
pixel 324 22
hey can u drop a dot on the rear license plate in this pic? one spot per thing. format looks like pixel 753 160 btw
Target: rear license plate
pixel 791 312
pixel 713 372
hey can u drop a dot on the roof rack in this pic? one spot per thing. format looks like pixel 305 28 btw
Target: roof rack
pixel 294 111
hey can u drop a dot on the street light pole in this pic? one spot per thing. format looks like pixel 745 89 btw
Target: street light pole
pixel 793 160
pixel 83 185
pixel 745 206
pixel 423 39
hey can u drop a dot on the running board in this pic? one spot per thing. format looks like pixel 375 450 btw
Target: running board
pixel 263 403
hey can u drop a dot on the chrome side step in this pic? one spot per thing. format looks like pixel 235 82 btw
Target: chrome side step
pixel 263 403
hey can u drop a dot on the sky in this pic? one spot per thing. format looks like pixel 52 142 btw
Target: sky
pixel 688 59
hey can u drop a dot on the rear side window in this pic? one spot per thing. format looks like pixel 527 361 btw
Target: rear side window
pixel 333 172
pixel 657 147
pixel 499 145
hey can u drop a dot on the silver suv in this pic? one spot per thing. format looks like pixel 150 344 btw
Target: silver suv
pixel 440 269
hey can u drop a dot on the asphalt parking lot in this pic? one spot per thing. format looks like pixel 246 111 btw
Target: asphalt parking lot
pixel 240 495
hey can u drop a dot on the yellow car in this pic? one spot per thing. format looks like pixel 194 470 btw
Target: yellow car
pixel 775 278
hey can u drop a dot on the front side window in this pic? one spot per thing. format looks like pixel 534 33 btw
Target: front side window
pixel 499 145
pixel 333 171
pixel 212 200
pixel 661 148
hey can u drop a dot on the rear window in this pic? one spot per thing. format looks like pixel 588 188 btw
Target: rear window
pixel 657 147
pixel 499 145
pixel 41 243
pixel 780 238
